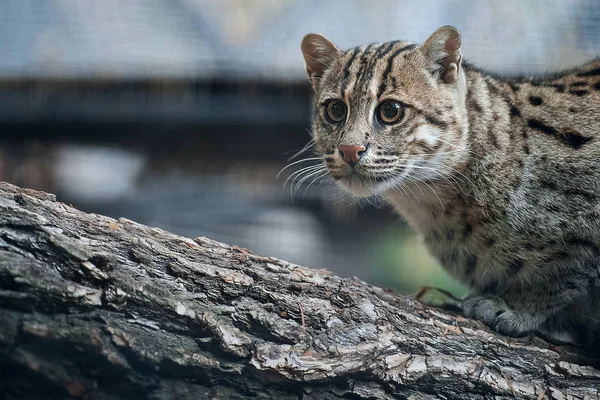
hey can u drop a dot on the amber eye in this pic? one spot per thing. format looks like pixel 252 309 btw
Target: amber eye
pixel 391 111
pixel 336 111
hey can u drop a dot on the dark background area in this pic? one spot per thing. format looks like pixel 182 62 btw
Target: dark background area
pixel 180 114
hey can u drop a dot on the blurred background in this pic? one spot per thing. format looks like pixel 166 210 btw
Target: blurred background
pixel 180 114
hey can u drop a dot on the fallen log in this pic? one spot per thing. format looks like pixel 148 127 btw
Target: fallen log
pixel 97 308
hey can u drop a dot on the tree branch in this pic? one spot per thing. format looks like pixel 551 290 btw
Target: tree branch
pixel 96 308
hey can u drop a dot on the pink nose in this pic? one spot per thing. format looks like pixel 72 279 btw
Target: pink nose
pixel 351 153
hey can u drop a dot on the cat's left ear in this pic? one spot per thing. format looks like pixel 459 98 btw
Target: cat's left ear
pixel 442 48
pixel 319 53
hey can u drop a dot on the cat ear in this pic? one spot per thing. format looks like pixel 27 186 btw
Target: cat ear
pixel 442 48
pixel 319 53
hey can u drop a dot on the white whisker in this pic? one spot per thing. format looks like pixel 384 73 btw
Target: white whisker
pixel 306 147
pixel 441 175
pixel 297 162
pixel 301 171
pixel 307 176
pixel 313 181
pixel 400 185
pixel 433 191
pixel 298 174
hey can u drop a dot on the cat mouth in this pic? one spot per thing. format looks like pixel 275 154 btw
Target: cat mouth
pixel 356 175
pixel 365 185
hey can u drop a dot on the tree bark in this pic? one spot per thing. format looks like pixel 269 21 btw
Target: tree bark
pixel 97 308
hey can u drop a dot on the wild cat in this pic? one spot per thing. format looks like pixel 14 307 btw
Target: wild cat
pixel 500 176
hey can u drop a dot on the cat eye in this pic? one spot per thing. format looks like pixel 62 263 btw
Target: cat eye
pixel 336 111
pixel 391 111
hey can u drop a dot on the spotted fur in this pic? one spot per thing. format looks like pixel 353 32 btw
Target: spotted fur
pixel 500 176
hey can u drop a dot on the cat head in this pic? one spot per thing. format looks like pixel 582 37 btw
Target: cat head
pixel 387 114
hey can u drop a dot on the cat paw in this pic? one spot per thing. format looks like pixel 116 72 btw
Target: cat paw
pixel 494 312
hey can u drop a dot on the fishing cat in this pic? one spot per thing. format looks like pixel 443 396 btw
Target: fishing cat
pixel 500 176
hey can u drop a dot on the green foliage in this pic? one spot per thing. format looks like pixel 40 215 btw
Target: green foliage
pixel 401 262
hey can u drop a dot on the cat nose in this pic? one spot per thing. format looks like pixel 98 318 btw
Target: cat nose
pixel 351 153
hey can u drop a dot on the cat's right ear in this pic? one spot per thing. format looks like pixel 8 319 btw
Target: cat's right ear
pixel 319 53
pixel 442 49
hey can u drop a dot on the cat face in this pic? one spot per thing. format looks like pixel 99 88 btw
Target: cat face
pixel 387 114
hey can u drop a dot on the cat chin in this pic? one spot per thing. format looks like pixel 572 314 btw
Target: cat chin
pixel 359 188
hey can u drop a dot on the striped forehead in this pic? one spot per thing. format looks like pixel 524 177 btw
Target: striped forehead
pixel 365 69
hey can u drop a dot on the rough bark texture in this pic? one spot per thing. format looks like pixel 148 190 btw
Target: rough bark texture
pixel 96 308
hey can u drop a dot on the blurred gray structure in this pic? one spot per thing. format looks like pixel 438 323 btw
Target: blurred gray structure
pixel 259 39
pixel 180 113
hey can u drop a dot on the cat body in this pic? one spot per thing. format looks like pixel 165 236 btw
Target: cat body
pixel 501 177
